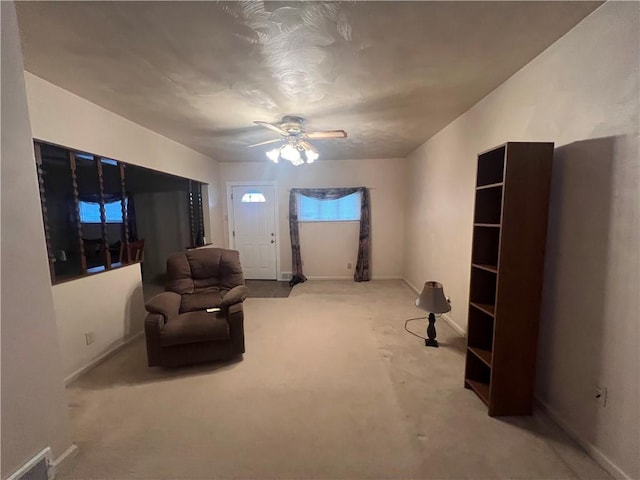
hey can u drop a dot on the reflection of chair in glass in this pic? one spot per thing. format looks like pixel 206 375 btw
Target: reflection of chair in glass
pixel 136 252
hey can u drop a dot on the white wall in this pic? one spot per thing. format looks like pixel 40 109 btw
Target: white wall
pixel 328 247
pixel 34 408
pixel 90 305
pixel 581 93
pixel 60 117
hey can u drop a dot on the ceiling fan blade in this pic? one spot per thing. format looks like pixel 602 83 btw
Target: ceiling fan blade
pixel 271 126
pixel 265 143
pixel 308 146
pixel 326 134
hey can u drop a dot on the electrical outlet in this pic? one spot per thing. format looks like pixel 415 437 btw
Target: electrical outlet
pixel 89 337
pixel 600 395
pixel 349 266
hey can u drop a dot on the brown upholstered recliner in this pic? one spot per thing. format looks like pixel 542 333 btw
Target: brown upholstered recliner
pixel 178 328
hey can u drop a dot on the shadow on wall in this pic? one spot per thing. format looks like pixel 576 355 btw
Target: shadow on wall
pixel 574 293
pixel 134 312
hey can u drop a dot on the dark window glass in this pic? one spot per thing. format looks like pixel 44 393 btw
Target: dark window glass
pixel 94 207
pixel 95 248
pixel 61 212
pixel 113 207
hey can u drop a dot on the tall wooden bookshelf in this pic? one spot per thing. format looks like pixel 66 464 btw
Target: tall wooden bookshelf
pixel 507 261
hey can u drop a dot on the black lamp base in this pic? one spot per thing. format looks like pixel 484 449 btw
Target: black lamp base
pixel 431 332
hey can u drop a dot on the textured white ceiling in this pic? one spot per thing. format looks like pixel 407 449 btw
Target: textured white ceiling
pixel 391 74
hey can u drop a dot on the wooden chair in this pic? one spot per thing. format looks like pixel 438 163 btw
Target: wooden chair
pixel 136 252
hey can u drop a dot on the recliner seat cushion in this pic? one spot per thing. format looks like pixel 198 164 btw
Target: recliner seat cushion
pixel 194 327
pixel 191 302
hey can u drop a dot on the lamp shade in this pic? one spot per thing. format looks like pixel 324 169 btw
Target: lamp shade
pixel 432 298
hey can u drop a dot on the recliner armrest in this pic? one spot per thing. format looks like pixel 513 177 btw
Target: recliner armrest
pixel 236 295
pixel 235 317
pixel 166 304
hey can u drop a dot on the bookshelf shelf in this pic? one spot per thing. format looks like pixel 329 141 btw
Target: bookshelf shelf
pixel 483 307
pixel 481 389
pixel 488 268
pixel 491 185
pixel 484 355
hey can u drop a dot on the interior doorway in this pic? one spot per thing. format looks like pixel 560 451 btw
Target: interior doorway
pixel 253 228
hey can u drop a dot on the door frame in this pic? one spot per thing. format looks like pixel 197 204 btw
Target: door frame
pixel 231 220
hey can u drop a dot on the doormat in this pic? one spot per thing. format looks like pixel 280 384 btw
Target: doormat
pixel 268 289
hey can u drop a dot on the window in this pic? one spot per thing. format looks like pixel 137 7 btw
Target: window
pixel 90 212
pixel 253 197
pixel 345 209
pixel 74 184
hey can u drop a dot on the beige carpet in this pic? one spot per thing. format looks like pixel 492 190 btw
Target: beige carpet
pixel 268 289
pixel 330 387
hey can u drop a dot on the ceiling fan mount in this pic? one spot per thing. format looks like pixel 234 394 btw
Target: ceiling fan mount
pixel 292 124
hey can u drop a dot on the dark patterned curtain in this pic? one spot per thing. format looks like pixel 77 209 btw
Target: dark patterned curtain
pixel 296 259
pixel 362 272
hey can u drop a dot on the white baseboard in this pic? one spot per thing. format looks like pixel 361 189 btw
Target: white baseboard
pixel 100 358
pixel 68 454
pixel 593 451
pixel 458 329
pixel 411 286
pixel 350 277
pixel 45 454
pixel 329 277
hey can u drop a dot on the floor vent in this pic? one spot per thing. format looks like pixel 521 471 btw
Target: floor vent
pixel 39 467
pixel 285 276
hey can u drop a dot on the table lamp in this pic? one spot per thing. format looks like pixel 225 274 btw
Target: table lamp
pixel 432 300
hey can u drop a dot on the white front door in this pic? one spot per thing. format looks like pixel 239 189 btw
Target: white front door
pixel 254 230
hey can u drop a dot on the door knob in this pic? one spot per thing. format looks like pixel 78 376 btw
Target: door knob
pixel 273 241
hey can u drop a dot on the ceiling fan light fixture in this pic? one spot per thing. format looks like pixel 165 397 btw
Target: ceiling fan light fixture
pixel 296 154
pixel 311 156
pixel 291 153
pixel 274 155
pixel 296 149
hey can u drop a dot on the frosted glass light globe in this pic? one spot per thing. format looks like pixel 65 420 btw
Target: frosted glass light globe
pixel 273 155
pixel 312 156
pixel 291 153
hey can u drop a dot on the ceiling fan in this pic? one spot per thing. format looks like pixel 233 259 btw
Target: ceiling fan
pixel 295 148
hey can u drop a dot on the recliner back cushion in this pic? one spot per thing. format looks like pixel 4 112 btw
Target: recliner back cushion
pixel 179 274
pixel 204 270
